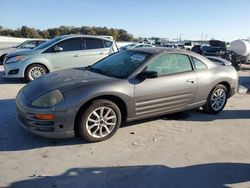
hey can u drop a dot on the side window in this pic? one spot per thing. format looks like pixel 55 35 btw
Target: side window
pixel 170 64
pixel 92 43
pixel 198 64
pixel 70 44
pixel 107 43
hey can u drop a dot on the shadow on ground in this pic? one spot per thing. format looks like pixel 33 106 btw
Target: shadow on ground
pixel 13 137
pixel 11 80
pixel 215 175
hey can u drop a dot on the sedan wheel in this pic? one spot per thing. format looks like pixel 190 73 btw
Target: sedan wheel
pixel 35 71
pixel 216 100
pixel 100 121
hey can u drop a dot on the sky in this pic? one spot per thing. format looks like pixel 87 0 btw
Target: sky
pixel 191 19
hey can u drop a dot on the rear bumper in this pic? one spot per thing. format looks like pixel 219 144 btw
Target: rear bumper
pixel 61 127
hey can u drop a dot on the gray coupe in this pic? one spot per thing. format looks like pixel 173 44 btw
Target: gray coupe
pixel 129 85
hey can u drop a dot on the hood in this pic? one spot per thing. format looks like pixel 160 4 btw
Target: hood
pixel 23 52
pixel 63 80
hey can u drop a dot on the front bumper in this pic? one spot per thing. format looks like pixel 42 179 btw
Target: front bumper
pixel 13 66
pixel 61 127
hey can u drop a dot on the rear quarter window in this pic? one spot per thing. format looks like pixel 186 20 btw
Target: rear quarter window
pixel 199 65
pixel 107 43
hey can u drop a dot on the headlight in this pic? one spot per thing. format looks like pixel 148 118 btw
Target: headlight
pixel 15 59
pixel 49 99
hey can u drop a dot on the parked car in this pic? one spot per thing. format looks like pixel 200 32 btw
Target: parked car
pixel 59 53
pixel 135 45
pixel 207 50
pixel 169 45
pixel 196 48
pixel 180 46
pixel 125 86
pixel 188 45
pixel 28 44
pixel 217 43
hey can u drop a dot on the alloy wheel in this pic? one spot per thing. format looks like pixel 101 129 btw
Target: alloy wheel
pixel 36 72
pixel 218 99
pixel 101 122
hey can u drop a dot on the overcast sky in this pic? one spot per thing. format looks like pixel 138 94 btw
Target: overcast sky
pixel 192 19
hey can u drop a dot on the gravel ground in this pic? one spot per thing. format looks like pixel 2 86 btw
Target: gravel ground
pixel 189 149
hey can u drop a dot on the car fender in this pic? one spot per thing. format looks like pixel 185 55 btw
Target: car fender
pixel 40 60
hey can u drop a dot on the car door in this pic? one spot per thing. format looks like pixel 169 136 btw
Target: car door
pixel 68 55
pixel 94 50
pixel 172 91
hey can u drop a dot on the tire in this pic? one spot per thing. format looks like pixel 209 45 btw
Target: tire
pixel 34 71
pixel 99 126
pixel 215 104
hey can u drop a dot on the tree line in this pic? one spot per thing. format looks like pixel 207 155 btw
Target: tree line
pixel 28 32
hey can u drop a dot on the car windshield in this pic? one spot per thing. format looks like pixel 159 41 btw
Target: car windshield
pixel 20 45
pixel 48 43
pixel 120 65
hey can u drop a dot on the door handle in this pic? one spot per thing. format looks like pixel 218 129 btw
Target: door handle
pixel 76 55
pixel 190 81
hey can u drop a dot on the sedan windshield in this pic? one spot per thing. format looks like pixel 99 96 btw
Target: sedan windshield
pixel 120 65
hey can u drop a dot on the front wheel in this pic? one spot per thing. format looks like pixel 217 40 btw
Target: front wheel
pixel 217 100
pixel 100 121
pixel 34 71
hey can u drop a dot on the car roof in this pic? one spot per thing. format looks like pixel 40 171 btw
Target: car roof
pixel 86 36
pixel 37 40
pixel 160 50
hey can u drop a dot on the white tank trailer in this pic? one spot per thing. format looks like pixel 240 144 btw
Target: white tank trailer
pixel 240 47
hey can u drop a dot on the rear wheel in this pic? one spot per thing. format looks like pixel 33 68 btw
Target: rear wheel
pixel 217 100
pixel 34 71
pixel 100 121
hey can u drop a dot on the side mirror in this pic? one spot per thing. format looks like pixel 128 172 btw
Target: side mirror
pixel 148 74
pixel 58 49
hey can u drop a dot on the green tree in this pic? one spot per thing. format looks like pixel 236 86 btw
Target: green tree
pixel 28 32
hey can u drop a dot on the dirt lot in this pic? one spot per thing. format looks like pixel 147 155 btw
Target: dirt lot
pixel 190 149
